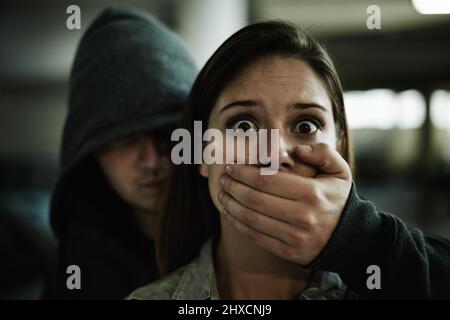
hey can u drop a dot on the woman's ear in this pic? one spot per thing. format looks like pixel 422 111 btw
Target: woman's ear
pixel 203 169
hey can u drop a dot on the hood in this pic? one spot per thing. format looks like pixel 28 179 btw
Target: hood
pixel 130 74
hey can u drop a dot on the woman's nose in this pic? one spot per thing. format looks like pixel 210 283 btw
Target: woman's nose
pixel 286 154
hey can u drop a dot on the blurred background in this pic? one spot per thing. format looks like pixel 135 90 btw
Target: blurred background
pixel 397 91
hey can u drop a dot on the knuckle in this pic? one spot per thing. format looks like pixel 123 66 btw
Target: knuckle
pixel 324 147
pixel 289 253
pixel 228 184
pixel 252 198
pixel 305 220
pixel 226 201
pixel 296 237
pixel 249 218
pixel 298 219
pixel 309 221
pixel 262 182
pixel 310 193
pixel 253 235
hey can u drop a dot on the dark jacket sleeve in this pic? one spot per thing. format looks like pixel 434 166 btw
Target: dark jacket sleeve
pixel 108 270
pixel 413 264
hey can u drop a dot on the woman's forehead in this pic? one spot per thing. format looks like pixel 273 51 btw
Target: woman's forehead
pixel 276 80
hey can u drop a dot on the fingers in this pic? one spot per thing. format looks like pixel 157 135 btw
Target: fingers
pixel 266 224
pixel 326 158
pixel 282 184
pixel 286 210
pixel 288 185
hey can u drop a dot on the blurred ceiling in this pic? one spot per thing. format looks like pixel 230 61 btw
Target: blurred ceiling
pixel 409 51
pixel 332 17
pixel 402 59
pixel 37 49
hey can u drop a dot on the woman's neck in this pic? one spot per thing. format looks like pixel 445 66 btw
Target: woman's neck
pixel 246 271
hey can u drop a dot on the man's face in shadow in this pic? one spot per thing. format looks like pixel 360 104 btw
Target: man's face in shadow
pixel 137 167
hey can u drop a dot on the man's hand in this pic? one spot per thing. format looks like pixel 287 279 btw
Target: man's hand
pixel 290 215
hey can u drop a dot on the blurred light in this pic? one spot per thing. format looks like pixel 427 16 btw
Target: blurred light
pixel 384 109
pixel 222 18
pixel 431 6
pixel 440 109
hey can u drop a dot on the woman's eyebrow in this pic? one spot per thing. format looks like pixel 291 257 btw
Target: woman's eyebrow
pixel 308 105
pixel 252 103
pixel 239 103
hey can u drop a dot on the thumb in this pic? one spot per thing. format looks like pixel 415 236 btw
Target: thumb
pixel 325 158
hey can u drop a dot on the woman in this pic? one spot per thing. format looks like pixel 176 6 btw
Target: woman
pixel 304 232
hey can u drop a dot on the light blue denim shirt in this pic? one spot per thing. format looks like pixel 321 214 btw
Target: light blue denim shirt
pixel 197 281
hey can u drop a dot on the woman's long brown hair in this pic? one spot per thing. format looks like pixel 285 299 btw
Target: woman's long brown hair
pixel 189 217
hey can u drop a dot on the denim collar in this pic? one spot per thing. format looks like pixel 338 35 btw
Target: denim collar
pixel 198 281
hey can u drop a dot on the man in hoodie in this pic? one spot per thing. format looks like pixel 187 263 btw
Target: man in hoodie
pixel 128 83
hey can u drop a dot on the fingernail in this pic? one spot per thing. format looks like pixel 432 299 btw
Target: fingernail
pixel 222 180
pixel 220 195
pixel 228 168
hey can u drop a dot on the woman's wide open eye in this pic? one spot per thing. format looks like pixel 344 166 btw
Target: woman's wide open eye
pixel 307 126
pixel 242 122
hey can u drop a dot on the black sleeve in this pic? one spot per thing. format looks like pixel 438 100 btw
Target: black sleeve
pixel 108 271
pixel 413 264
